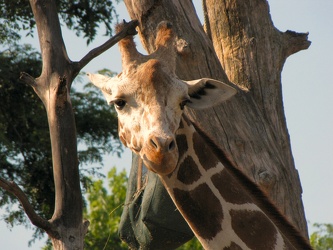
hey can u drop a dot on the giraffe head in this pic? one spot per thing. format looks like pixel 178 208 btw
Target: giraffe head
pixel 149 99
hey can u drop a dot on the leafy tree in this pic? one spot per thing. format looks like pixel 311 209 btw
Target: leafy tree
pixel 25 155
pixel 322 238
pixel 104 211
pixel 25 152
pixel 84 17
pixel 53 87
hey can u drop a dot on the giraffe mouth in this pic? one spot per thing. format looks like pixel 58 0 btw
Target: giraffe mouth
pixel 162 164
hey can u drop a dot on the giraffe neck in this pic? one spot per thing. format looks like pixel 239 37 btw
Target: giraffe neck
pixel 207 189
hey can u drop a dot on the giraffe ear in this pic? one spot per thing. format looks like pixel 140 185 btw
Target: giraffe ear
pixel 206 93
pixel 103 83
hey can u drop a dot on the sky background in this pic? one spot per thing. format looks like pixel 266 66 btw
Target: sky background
pixel 308 100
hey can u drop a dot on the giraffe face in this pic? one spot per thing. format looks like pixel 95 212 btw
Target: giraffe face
pixel 149 105
pixel 149 102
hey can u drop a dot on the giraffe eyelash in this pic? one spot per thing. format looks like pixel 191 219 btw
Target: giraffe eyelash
pixel 119 103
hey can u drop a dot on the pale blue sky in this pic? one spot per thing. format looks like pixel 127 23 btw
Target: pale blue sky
pixel 308 100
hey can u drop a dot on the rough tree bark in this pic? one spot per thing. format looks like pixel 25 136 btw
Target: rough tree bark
pixel 66 228
pixel 240 44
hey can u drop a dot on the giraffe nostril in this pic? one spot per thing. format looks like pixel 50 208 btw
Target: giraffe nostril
pixel 162 144
pixel 153 143
pixel 172 145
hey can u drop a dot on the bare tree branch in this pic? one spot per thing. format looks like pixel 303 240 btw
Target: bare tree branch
pixel 295 42
pixel 28 79
pixel 35 219
pixel 129 29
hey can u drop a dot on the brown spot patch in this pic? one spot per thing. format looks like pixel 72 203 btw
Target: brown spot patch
pixel 206 157
pixel 125 136
pixel 229 188
pixel 151 74
pixel 134 142
pixel 181 124
pixel 188 171
pixel 202 209
pixel 164 34
pixel 233 246
pixel 254 228
pixel 182 145
pixel 186 120
pixel 122 139
pixel 136 128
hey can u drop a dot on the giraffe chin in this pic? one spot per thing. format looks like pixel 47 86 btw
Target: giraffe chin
pixel 161 165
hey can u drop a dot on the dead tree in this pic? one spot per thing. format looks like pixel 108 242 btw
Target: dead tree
pixel 239 44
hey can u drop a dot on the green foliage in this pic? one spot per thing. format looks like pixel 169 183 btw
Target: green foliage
pixel 82 16
pixel 104 211
pixel 25 151
pixel 193 244
pixel 14 17
pixel 25 154
pixel 85 16
pixel 322 238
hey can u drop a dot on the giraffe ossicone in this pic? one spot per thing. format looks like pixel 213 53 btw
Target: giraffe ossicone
pixel 224 208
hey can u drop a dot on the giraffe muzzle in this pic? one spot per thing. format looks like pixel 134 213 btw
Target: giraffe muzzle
pixel 162 144
pixel 161 154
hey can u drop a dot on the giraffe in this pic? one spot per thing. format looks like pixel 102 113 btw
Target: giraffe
pixel 224 208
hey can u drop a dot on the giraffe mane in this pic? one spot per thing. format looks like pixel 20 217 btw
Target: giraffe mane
pixel 257 194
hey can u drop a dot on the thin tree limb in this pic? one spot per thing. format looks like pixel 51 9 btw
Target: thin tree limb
pixel 35 219
pixel 28 79
pixel 129 29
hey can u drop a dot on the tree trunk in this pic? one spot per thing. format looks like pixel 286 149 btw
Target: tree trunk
pixel 53 87
pixel 251 127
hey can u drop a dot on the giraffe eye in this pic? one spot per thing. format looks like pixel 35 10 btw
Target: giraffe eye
pixel 183 103
pixel 120 104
